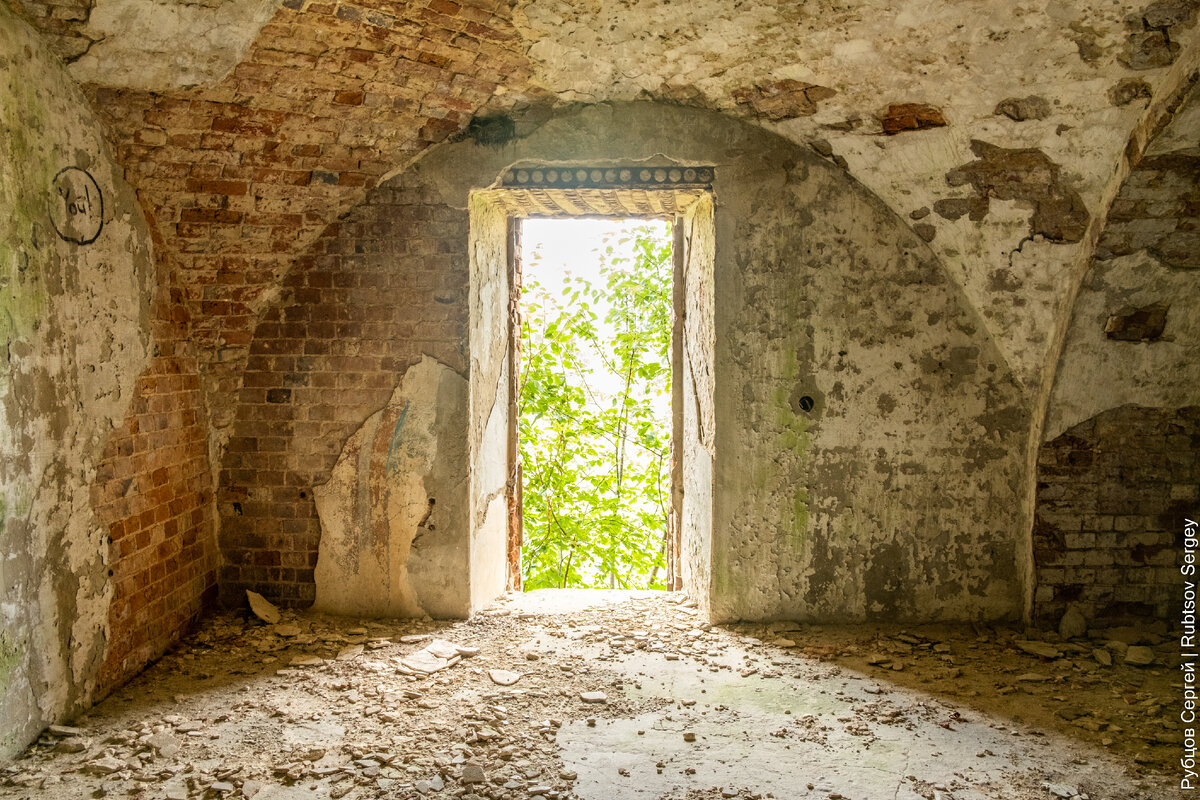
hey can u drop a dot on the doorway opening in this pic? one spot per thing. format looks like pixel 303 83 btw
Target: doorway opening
pixel 679 200
pixel 595 324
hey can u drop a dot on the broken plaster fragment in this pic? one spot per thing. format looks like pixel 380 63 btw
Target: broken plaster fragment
pixel 263 608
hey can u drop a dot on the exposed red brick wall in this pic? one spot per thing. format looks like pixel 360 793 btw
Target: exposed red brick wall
pixel 379 290
pixel 240 178
pixel 154 490
pixel 1112 494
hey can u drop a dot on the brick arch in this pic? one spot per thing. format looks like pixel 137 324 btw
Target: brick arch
pixel 389 283
pixel 241 177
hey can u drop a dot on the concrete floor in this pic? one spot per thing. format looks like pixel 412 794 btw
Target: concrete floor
pixel 319 707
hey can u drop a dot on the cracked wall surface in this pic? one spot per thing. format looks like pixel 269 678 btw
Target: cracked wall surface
pixel 394 506
pixel 75 285
pixel 240 174
pixel 910 462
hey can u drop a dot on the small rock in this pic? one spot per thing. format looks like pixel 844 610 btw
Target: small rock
pixel 350 653
pixel 688 736
pixel 1040 649
pixel 288 630
pixel 71 745
pixel 1139 656
pixel 1102 656
pixel 1072 625
pixel 1061 790
pixel 440 648
pixel 503 677
pixel 222 786
pixel 164 744
pixel 64 730
pixel 105 765
pixel 1021 109
pixel 263 608
pixel 593 697
pixel 568 774
pixel 472 773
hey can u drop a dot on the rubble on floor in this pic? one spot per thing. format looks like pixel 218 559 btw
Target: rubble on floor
pixel 632 697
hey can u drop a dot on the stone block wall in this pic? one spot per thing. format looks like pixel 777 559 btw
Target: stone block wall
pixel 379 290
pixel 1112 493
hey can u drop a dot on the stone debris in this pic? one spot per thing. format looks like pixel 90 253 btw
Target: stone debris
pixel 472 773
pixel 360 713
pixel 1139 656
pixel 263 608
pixel 350 653
pixel 503 677
pixel 307 661
pixel 427 662
pixel 64 730
pixel 1040 649
pixel 1073 625
pixel 104 765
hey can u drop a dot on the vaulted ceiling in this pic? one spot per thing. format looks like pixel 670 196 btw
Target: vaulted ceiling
pixel 1001 131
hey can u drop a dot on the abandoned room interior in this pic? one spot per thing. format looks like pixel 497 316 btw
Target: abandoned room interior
pixel 931 380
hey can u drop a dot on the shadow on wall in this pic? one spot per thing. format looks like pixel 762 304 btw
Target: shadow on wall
pixel 1112 496
pixel 894 493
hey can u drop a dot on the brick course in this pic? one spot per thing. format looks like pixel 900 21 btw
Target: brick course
pixel 154 491
pixel 1111 496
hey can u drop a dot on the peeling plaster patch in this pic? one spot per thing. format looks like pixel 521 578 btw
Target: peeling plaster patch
pixel 1153 40
pixel 1144 324
pixel 157 45
pixel 901 117
pixel 784 99
pixel 392 518
pixel 1027 176
pixel 1126 90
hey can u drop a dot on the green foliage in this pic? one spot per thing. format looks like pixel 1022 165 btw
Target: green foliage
pixel 593 434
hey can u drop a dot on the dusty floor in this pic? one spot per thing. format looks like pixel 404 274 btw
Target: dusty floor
pixel 318 707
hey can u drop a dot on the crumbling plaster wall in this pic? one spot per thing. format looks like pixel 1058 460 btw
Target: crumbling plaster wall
pixel 829 75
pixel 698 375
pixel 910 463
pixel 75 280
pixel 384 552
pixel 243 170
pixel 1117 468
pixel 1146 257
pixel 489 342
